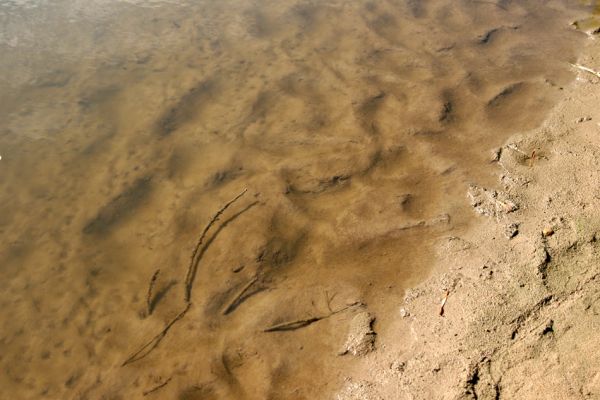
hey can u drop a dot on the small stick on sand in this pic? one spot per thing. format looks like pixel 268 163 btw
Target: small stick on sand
pixel 301 323
pixel 154 389
pixel 151 345
pixel 150 290
pixel 293 325
pixel 236 300
pixel 532 159
pixel 444 303
pixel 191 272
pixel 586 69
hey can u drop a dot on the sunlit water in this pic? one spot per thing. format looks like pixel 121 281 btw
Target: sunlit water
pixel 355 126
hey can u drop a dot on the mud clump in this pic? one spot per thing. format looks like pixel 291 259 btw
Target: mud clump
pixel 361 337
pixel 359 391
pixel 490 202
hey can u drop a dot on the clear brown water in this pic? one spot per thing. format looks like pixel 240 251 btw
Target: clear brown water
pixel 355 126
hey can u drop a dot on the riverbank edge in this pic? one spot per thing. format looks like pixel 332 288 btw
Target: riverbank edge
pixel 521 287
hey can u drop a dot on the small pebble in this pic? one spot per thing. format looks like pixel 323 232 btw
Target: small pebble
pixel 398 366
pixel 404 313
pixel 547 231
pixel 496 154
pixel 511 230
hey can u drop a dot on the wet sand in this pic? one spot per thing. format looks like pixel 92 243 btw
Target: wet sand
pixel 521 318
pixel 355 128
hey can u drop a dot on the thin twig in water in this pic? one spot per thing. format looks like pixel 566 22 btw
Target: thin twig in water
pixel 293 325
pixel 151 345
pixel 236 300
pixel 189 278
pixel 154 389
pixel 301 323
pixel 150 292
pixel 586 69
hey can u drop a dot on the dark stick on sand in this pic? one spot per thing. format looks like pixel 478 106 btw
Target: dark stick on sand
pixel 152 344
pixel 191 272
pixel 155 388
pixel 301 323
pixel 236 300
pixel 149 307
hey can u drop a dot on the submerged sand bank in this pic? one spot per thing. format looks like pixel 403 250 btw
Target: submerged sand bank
pixel 522 320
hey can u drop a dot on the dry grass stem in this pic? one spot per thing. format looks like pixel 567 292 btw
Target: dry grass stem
pixel 191 272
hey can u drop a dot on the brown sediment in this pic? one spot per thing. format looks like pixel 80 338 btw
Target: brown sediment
pixel 362 136
pixel 119 208
pixel 186 108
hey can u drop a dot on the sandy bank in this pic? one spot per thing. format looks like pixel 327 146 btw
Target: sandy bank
pixel 522 317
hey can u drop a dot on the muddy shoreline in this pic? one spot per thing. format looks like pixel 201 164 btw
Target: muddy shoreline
pixel 364 146
pixel 523 312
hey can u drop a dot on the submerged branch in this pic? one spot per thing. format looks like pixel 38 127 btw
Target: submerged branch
pixel 191 272
pixel 301 323
pixel 240 294
pixel 149 305
pixel 155 388
pixel 152 344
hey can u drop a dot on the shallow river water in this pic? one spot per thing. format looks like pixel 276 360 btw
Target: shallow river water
pixel 355 127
